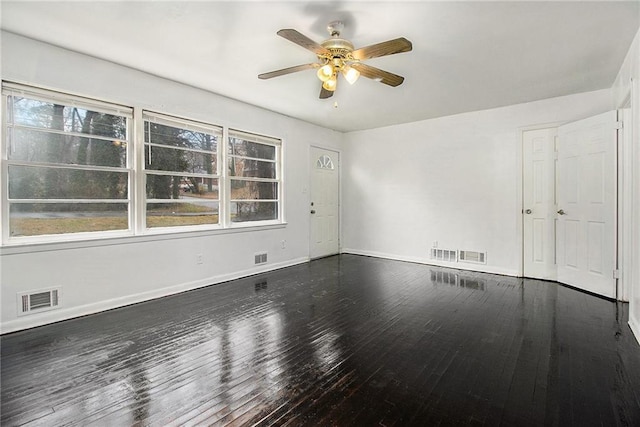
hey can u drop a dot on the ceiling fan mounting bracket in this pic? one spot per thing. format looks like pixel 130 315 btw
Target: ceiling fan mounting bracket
pixel 335 28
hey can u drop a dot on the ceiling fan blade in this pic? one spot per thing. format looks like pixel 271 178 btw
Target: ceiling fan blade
pixel 378 74
pixel 382 49
pixel 304 41
pixel 324 94
pixel 289 70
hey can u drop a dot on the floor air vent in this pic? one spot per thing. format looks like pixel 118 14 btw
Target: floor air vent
pixel 473 256
pixel 43 300
pixel 261 258
pixel 443 255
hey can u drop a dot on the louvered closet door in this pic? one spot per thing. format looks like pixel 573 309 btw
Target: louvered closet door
pixel 586 216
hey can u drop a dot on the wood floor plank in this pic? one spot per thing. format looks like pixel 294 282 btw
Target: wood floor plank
pixel 345 340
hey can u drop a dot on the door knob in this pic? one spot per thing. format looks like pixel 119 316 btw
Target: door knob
pixel 313 211
pixel 528 211
pixel 562 212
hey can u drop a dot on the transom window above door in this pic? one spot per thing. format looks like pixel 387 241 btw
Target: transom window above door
pixel 325 162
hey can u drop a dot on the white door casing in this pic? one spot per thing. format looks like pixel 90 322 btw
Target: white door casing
pixel 625 213
pixel 539 202
pixel 324 199
pixel 586 220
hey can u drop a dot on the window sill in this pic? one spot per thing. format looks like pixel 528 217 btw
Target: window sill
pixel 23 247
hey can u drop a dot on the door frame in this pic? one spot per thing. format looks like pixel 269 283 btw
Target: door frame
pixel 624 201
pixel 622 291
pixel 307 190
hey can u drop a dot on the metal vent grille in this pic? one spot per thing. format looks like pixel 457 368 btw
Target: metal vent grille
pixel 474 257
pixel 444 255
pixel 41 300
pixel 261 258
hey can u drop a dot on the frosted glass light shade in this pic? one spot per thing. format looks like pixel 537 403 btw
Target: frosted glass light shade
pixel 325 72
pixel 350 74
pixel 331 84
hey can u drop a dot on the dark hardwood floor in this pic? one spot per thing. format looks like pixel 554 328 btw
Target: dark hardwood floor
pixel 346 340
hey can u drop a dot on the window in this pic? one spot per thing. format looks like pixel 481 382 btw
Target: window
pixel 71 166
pixel 325 162
pixel 254 174
pixel 66 163
pixel 181 169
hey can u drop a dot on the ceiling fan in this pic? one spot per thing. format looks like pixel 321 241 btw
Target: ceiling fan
pixel 337 55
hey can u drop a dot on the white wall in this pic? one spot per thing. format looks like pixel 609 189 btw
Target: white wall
pixel 455 180
pixel 104 274
pixel 628 84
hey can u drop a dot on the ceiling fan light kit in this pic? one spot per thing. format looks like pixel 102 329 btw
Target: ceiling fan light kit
pixel 337 56
pixel 331 83
pixel 325 72
pixel 350 74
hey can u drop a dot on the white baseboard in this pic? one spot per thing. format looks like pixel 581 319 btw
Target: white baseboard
pixel 53 316
pixel 428 261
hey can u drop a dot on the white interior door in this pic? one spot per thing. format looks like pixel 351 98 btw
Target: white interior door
pixel 586 220
pixel 324 201
pixel 539 202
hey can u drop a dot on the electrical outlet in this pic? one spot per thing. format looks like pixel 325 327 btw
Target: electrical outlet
pixel 435 244
pixel 199 259
pixel 284 244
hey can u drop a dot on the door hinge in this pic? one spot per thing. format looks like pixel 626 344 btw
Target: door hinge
pixel 616 274
pixel 619 125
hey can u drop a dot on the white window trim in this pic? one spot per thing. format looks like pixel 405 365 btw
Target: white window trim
pixel 136 200
pixel 260 139
pixel 12 89
pixel 192 125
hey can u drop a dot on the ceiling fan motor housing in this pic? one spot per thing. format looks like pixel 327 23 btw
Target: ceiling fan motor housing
pixel 339 48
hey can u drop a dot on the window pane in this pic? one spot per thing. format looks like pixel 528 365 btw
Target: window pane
pixel 248 190
pixel 155 133
pixel 26 182
pixel 240 147
pixel 48 115
pixel 169 159
pixel 196 212
pixel 181 187
pixel 251 168
pixel 35 146
pixel 30 219
pixel 253 211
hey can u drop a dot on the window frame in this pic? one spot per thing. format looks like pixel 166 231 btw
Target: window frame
pixel 278 180
pixel 10 90
pixel 136 200
pixel 188 124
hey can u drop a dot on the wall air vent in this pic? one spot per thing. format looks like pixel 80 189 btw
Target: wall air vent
pixel 443 255
pixel 473 256
pixel 37 301
pixel 261 258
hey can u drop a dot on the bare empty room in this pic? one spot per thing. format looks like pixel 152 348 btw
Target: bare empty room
pixel 320 213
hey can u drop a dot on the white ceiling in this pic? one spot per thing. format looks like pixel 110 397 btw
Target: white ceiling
pixel 466 55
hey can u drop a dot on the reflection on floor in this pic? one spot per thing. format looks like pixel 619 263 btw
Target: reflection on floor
pixel 346 340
